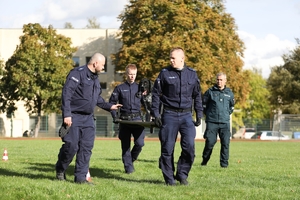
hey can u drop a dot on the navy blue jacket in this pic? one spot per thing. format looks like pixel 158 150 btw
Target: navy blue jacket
pixel 177 89
pixel 125 94
pixel 81 93
pixel 218 104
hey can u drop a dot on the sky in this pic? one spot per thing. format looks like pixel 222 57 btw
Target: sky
pixel 267 27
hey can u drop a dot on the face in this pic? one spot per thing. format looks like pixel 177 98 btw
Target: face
pixel 221 81
pixel 99 65
pixel 131 75
pixel 177 59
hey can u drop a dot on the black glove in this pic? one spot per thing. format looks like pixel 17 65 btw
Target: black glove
pixel 64 130
pixel 198 122
pixel 115 120
pixel 158 122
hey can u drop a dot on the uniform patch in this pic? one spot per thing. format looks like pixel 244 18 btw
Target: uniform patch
pixel 172 77
pixel 75 79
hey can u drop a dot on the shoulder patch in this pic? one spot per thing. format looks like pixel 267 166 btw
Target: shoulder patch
pixel 163 70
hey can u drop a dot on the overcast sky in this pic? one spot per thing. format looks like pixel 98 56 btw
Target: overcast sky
pixel 267 27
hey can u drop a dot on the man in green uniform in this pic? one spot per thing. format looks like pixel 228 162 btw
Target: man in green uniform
pixel 218 104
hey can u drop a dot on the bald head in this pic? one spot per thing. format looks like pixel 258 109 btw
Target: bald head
pixel 96 63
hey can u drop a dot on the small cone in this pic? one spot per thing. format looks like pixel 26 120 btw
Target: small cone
pixel 88 176
pixel 5 155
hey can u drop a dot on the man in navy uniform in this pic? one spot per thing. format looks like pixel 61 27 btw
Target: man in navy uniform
pixel 80 95
pixel 126 94
pixel 218 103
pixel 177 90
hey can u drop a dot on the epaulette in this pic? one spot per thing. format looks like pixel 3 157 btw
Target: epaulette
pixel 163 70
pixel 191 69
pixel 80 68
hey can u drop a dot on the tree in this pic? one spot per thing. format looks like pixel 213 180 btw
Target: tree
pixel 36 72
pixel 68 25
pixel 202 28
pixel 257 104
pixel 93 23
pixel 284 83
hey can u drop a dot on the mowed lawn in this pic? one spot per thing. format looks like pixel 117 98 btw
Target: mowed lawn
pixel 257 170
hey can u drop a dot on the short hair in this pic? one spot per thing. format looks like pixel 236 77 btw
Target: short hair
pixel 221 74
pixel 177 49
pixel 130 66
pixel 96 57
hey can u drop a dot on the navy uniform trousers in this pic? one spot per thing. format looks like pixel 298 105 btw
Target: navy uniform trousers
pixel 174 122
pixel 79 141
pixel 211 133
pixel 129 156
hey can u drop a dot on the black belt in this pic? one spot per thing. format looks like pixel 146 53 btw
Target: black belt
pixel 182 110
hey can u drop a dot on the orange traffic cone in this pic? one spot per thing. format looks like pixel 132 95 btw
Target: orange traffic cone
pixel 5 155
pixel 88 176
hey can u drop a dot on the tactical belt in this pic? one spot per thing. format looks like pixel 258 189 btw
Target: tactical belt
pixel 181 110
pixel 129 116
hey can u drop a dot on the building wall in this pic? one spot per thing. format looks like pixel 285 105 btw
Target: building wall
pixel 87 41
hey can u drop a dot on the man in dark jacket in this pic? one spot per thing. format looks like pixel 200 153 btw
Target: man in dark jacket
pixel 80 95
pixel 126 94
pixel 177 89
pixel 218 104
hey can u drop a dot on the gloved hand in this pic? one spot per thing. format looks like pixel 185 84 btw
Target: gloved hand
pixel 115 120
pixel 198 122
pixel 158 122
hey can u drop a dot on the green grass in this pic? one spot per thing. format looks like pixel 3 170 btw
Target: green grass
pixel 257 170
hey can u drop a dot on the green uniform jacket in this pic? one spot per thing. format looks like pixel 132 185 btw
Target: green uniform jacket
pixel 218 104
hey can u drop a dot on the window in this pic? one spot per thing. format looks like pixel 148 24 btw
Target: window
pixel 87 59
pixel 75 61
pixel 103 85
pixel 44 122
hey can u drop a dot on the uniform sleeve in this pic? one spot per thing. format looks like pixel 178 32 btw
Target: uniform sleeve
pixel 114 98
pixel 198 99
pixel 102 104
pixel 72 82
pixel 205 101
pixel 231 104
pixel 156 93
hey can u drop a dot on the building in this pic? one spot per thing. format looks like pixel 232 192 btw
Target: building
pixel 88 41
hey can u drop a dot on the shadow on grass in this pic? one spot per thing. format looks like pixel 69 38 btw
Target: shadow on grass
pixel 41 171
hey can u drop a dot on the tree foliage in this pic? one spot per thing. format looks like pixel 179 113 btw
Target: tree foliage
pixel 68 25
pixel 36 72
pixel 93 23
pixel 284 83
pixel 150 28
pixel 257 104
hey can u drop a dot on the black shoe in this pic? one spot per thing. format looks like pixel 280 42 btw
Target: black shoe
pixel 129 172
pixel 203 163
pixel 84 182
pixel 184 182
pixel 60 176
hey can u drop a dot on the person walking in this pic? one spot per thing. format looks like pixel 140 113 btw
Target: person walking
pixel 176 90
pixel 126 94
pixel 80 95
pixel 218 103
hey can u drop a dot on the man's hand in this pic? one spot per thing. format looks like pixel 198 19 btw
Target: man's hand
pixel 116 106
pixel 198 122
pixel 158 122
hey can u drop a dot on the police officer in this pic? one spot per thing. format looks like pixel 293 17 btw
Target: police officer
pixel 177 90
pixel 80 95
pixel 218 103
pixel 126 94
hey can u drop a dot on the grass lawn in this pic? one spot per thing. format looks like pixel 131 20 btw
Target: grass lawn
pixel 257 170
